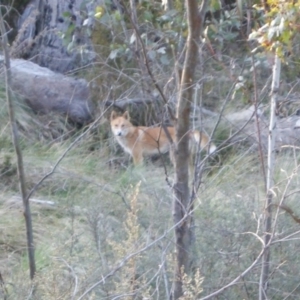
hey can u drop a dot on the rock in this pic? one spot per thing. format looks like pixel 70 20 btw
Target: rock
pixel 50 33
pixel 46 91
pixel 286 134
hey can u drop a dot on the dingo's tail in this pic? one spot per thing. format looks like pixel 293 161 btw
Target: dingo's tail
pixel 201 138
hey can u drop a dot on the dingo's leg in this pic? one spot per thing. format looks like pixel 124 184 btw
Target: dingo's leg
pixel 137 157
pixel 172 155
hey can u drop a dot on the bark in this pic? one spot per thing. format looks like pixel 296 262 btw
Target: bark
pixel 14 129
pixel 38 37
pixel 181 193
pixel 263 285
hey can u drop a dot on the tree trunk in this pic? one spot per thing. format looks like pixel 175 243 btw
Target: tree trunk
pixel 263 285
pixel 181 193
pixel 14 129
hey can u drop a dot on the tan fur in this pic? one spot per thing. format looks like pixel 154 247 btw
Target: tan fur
pixel 140 141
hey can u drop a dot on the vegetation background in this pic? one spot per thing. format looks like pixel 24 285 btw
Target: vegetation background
pixel 103 229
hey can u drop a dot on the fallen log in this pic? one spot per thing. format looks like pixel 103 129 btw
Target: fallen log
pixel 46 91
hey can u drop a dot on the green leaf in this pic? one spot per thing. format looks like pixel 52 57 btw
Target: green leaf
pixel 89 32
pixel 286 37
pixel 152 54
pixel 66 14
pixel 148 15
pixel 132 38
pixel 70 30
pixel 164 60
pixel 99 12
pixel 161 50
pixel 216 5
pixel 70 47
pixel 271 33
pixel 100 9
pixel 117 16
pixel 113 54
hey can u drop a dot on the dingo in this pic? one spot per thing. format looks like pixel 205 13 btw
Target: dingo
pixel 140 141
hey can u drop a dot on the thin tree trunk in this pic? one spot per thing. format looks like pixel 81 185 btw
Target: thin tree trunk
pixel 263 285
pixel 181 193
pixel 14 130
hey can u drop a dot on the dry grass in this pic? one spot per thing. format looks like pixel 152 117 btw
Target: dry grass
pixel 86 234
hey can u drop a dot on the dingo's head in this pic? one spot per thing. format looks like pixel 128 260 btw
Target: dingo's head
pixel 120 125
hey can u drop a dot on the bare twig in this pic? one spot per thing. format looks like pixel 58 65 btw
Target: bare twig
pixel 73 274
pixel 65 153
pixel 237 279
pixel 120 264
pixel 146 61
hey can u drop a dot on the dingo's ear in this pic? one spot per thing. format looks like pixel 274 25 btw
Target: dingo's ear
pixel 113 115
pixel 126 115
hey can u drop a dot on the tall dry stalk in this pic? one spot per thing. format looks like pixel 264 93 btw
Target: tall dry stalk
pixel 15 138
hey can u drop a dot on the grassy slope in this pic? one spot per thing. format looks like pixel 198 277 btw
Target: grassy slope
pixel 92 227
